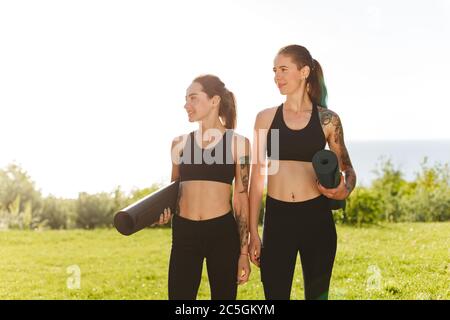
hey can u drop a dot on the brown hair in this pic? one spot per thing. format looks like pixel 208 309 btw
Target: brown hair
pixel 213 86
pixel 301 57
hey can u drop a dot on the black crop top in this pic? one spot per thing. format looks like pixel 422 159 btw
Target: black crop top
pixel 299 145
pixel 212 164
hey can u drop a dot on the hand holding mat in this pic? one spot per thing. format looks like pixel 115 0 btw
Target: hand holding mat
pixel 326 166
pixel 146 211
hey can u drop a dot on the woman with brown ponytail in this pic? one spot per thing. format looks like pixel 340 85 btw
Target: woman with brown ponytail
pixel 297 216
pixel 206 162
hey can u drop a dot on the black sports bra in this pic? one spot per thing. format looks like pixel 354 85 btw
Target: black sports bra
pixel 212 164
pixel 299 145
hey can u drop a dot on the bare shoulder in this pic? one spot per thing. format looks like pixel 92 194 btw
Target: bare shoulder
pixel 178 143
pixel 267 112
pixel 180 139
pixel 264 117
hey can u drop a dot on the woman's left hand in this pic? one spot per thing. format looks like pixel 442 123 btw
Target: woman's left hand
pixel 243 269
pixel 338 193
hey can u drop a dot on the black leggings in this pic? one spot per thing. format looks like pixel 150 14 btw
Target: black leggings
pixel 290 227
pixel 215 239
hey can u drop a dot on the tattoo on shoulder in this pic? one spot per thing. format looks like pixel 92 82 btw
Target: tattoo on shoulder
pixel 328 117
pixel 325 116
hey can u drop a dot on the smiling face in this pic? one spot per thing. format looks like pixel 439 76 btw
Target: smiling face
pixel 198 106
pixel 287 76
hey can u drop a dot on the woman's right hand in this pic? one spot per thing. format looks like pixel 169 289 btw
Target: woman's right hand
pixel 255 249
pixel 164 217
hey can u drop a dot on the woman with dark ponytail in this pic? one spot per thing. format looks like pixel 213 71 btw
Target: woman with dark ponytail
pixel 297 216
pixel 205 226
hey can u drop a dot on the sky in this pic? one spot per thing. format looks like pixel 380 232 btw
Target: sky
pixel 92 92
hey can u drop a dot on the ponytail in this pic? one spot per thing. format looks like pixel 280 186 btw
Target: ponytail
pixel 317 89
pixel 227 109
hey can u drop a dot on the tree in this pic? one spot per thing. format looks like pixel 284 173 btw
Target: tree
pixel 20 201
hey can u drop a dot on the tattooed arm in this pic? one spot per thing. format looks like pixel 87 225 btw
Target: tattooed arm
pixel 334 133
pixel 240 193
pixel 240 203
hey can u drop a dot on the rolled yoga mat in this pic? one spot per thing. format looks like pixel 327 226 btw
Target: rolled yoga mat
pixel 146 211
pixel 326 166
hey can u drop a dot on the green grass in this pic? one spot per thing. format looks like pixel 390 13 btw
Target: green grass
pixel 391 261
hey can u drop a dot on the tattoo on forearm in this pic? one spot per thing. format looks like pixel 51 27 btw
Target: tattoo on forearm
pixel 328 117
pixel 350 176
pixel 245 170
pixel 243 229
pixel 345 158
pixel 350 179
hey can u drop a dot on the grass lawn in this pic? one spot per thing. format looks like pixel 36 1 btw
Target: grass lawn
pixel 390 261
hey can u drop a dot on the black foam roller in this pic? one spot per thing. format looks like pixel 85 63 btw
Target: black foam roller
pixel 146 211
pixel 326 166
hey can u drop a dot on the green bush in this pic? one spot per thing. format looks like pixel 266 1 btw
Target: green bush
pixel 93 211
pixel 58 213
pixel 17 218
pixel 389 188
pixel 363 207
pixel 427 198
pixel 430 196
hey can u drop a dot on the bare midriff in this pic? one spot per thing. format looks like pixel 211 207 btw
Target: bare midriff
pixel 202 200
pixel 291 181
